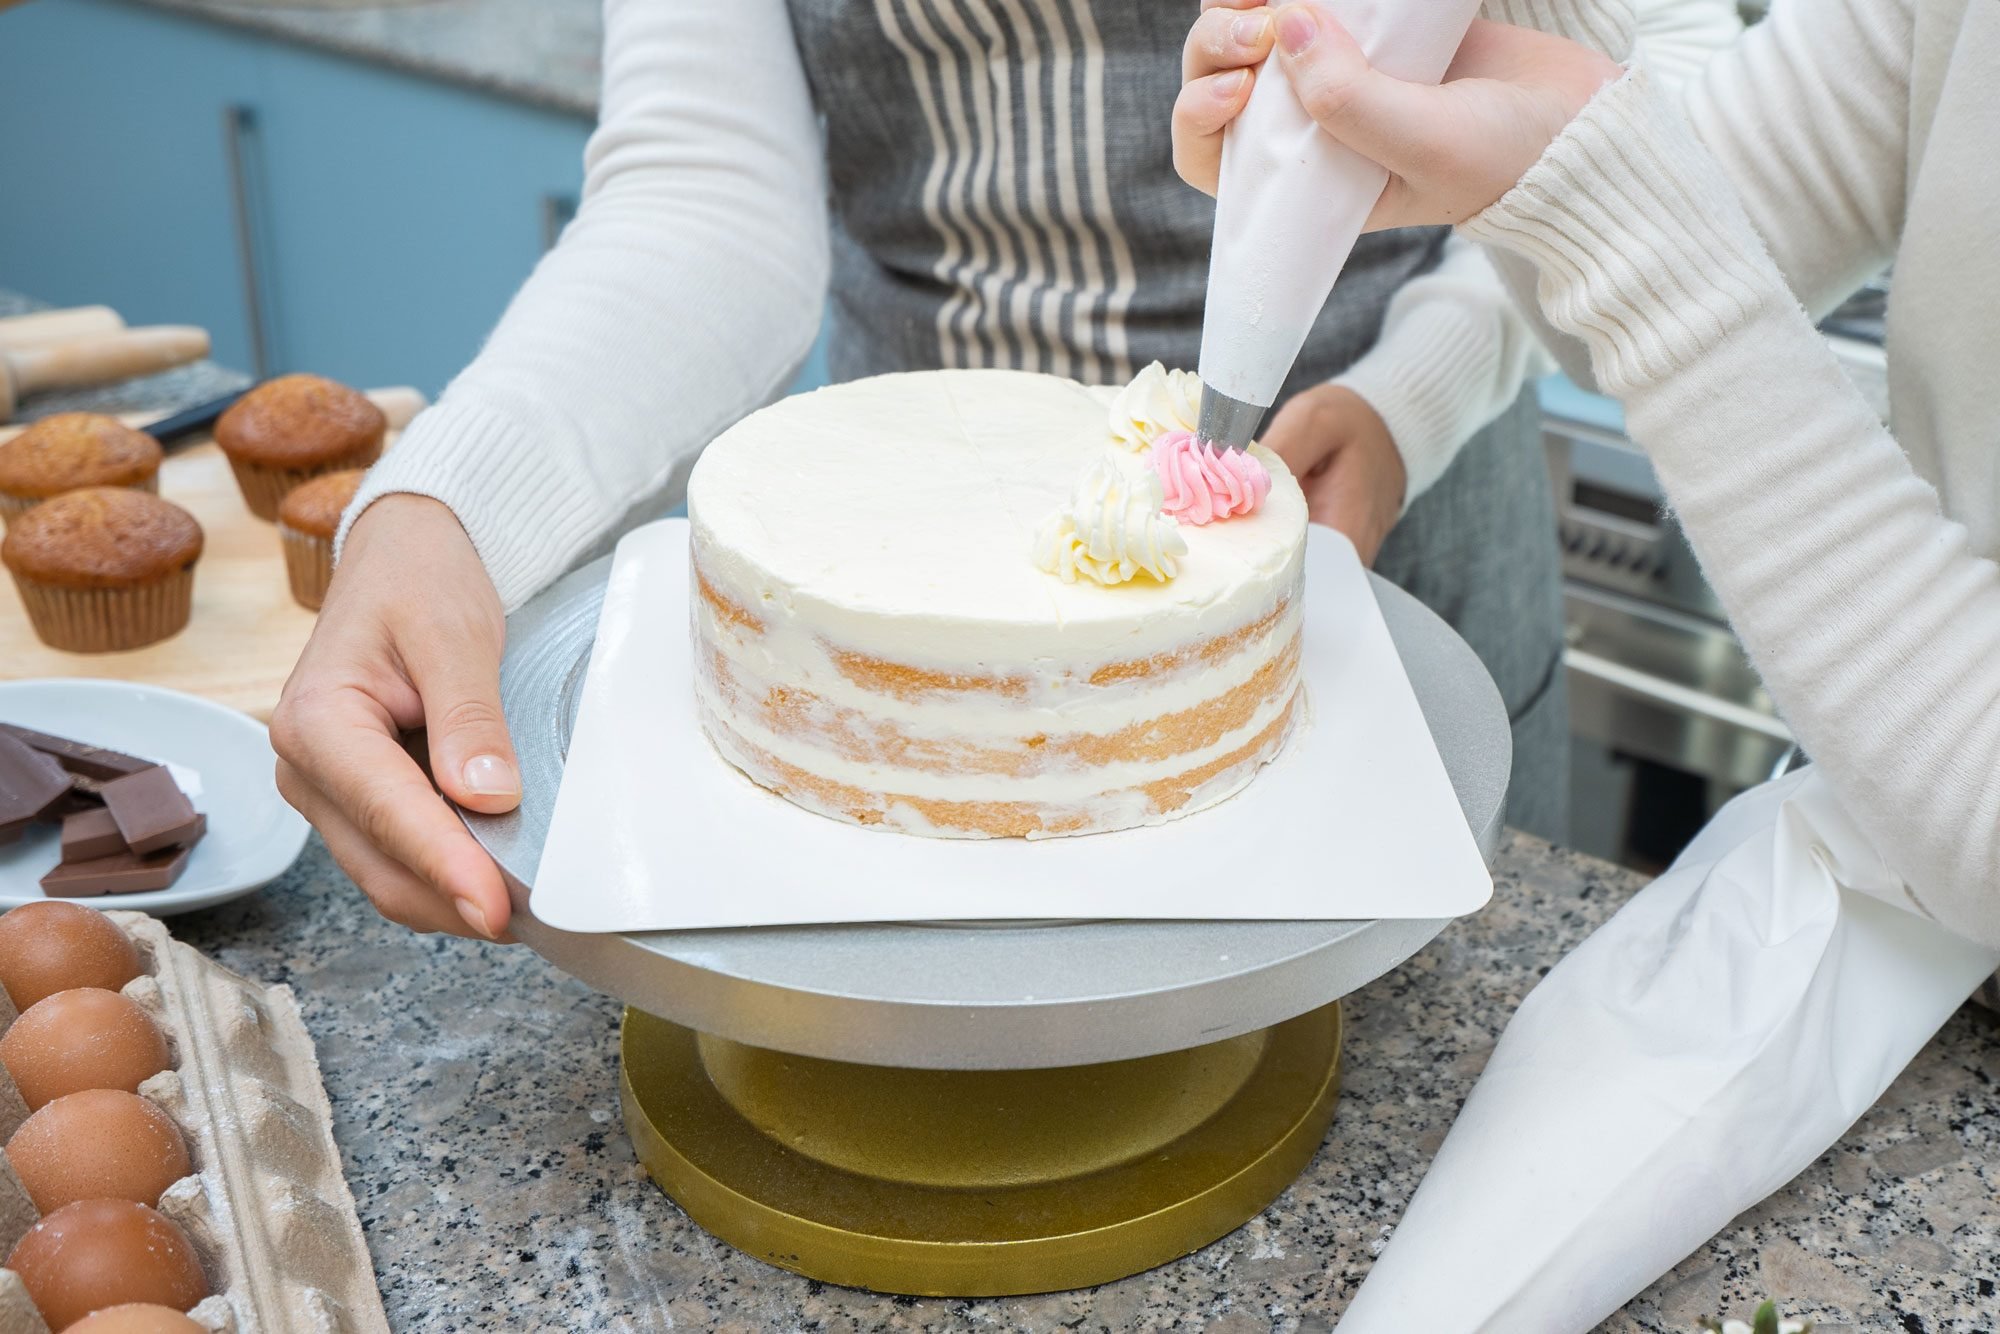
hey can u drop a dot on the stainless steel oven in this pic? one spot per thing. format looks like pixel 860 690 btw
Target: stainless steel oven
pixel 1667 718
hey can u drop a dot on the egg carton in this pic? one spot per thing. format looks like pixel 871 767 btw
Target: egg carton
pixel 268 1207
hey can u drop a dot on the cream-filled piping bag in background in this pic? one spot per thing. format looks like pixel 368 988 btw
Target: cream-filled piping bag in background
pixel 1289 206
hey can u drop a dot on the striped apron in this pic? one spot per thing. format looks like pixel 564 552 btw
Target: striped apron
pixel 1003 195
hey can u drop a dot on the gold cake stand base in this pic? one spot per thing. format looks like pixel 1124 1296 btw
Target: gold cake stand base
pixel 976 1183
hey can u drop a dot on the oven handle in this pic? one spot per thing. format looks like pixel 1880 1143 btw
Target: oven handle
pixel 1673 695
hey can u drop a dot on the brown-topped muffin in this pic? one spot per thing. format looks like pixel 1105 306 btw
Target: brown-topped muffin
pixel 104 568
pixel 292 429
pixel 72 450
pixel 307 522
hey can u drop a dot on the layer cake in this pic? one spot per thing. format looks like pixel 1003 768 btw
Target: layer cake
pixel 885 631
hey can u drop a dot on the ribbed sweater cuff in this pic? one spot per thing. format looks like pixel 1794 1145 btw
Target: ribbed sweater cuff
pixel 1603 25
pixel 525 506
pixel 1426 383
pixel 1644 250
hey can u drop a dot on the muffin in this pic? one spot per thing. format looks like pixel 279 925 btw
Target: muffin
pixel 104 568
pixel 70 451
pixel 292 429
pixel 307 521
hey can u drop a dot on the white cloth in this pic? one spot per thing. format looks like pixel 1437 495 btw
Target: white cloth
pixel 1689 1058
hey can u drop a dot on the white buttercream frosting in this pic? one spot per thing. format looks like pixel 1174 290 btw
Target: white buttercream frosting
pixel 895 513
pixel 1112 530
pixel 870 617
pixel 1157 401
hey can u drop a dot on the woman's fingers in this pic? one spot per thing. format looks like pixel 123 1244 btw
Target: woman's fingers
pixel 343 746
pixel 456 670
pixel 1382 118
pixel 1452 148
pixel 1201 113
pixel 396 893
pixel 1295 437
pixel 1226 38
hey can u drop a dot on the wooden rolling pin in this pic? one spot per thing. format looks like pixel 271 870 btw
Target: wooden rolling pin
pixel 58 326
pixel 96 360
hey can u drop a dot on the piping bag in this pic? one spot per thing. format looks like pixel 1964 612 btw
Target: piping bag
pixel 1289 206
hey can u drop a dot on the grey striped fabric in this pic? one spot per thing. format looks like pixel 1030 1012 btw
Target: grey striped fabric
pixel 1003 195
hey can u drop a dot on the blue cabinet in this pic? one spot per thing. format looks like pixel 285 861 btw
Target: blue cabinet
pixel 114 183
pixel 312 212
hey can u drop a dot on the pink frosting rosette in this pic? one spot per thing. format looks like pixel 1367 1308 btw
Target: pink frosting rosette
pixel 1204 484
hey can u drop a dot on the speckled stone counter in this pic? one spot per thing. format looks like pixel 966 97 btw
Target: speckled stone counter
pixel 169 391
pixel 475 1098
pixel 544 52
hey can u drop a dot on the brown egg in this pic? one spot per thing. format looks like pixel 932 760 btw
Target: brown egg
pixel 100 1144
pixel 81 1039
pixel 137 1318
pixel 48 947
pixel 98 1253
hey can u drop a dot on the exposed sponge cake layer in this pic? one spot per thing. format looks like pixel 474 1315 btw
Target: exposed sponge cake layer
pixel 874 641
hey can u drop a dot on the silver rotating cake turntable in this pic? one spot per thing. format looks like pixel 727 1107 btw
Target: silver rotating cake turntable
pixel 968 1108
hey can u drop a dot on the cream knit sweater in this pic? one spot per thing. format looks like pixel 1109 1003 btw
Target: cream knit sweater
pixel 1857 566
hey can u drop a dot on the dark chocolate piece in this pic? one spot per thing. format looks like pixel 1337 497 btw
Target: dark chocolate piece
pixel 123 873
pixel 82 796
pixel 30 782
pixel 89 835
pixel 93 762
pixel 150 809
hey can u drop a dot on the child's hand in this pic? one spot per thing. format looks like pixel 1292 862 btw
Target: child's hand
pixel 1217 66
pixel 1450 150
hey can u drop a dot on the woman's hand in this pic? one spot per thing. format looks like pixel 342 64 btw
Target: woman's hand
pixel 410 636
pixel 1218 65
pixel 1346 462
pixel 1450 150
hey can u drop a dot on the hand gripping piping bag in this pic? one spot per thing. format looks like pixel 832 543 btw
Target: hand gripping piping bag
pixel 1289 206
pixel 1697 1052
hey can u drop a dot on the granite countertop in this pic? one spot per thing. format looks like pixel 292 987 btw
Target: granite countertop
pixel 169 391
pixel 543 52
pixel 475 1096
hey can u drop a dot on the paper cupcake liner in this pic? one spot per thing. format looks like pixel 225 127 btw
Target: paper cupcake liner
pixel 309 563
pixel 13 507
pixel 105 620
pixel 264 489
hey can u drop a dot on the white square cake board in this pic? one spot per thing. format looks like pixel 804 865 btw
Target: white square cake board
pixel 654 831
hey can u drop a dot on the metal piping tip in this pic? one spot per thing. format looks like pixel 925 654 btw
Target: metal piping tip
pixel 1227 422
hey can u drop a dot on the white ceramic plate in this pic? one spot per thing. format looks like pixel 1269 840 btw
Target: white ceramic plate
pixel 252 834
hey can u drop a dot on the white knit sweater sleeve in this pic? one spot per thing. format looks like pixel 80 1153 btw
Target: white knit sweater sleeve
pixel 1874 627
pixel 687 292
pixel 1455 349
pixel 1453 353
pixel 1809 118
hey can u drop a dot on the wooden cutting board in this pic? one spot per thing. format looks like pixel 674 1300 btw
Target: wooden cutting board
pixel 246 632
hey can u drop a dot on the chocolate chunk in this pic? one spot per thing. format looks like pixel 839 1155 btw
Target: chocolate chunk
pixel 30 782
pixel 122 873
pixel 150 809
pixel 82 796
pixel 93 762
pixel 89 835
